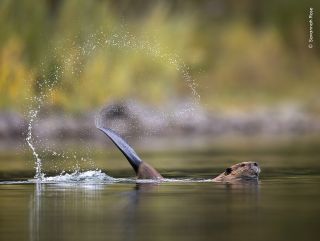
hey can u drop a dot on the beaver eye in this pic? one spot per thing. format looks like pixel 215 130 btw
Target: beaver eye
pixel 255 164
pixel 228 171
pixel 242 165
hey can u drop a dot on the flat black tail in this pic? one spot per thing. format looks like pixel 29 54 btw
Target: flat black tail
pixel 124 147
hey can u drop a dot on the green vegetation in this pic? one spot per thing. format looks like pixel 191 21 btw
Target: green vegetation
pixel 241 55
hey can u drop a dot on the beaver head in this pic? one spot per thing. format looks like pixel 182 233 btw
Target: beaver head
pixel 242 171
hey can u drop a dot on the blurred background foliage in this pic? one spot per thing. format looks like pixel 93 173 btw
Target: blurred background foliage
pixel 242 54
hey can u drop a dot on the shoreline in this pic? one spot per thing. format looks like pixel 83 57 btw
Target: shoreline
pixel 136 121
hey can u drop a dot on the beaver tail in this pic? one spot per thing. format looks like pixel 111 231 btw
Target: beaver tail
pixel 124 147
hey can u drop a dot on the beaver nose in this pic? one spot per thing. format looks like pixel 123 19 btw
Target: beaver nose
pixel 256 168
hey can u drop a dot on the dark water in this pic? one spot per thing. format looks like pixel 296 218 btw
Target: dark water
pixel 284 205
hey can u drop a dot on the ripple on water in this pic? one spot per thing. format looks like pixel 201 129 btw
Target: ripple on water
pixel 99 177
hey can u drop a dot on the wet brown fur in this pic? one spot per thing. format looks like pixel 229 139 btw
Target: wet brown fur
pixel 146 171
pixel 238 172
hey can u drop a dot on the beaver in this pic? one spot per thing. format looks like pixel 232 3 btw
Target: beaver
pixel 244 171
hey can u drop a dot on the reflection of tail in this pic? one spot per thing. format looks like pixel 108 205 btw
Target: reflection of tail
pixel 142 169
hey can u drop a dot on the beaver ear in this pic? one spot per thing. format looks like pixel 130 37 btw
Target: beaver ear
pixel 228 171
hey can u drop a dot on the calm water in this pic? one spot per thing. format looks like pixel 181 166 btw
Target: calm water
pixel 284 205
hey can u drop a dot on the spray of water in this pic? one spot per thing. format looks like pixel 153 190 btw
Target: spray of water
pixel 32 115
pixel 36 103
pixel 127 40
pixel 123 40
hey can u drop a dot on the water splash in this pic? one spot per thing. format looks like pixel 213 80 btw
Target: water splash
pixel 73 61
pixel 84 177
pixel 99 177
pixel 125 39
pixel 153 49
pixel 33 114
pixel 36 103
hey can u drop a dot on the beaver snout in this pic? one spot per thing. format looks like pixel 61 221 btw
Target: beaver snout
pixel 255 167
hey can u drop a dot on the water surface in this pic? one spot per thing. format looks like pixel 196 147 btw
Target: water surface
pixel 284 205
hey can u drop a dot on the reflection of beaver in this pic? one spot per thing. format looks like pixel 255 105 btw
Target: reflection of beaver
pixel 240 171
